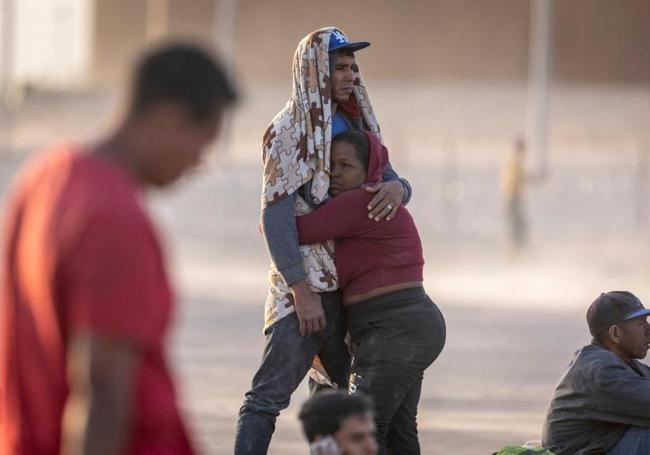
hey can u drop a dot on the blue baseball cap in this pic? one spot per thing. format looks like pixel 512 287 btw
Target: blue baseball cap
pixel 338 40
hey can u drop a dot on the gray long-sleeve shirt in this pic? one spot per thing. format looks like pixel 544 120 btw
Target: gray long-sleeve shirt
pixel 597 400
pixel 279 227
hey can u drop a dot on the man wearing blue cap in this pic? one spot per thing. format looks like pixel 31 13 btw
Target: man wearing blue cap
pixel 303 312
pixel 602 403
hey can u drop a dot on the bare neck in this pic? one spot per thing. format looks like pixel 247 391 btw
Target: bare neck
pixel 613 347
pixel 120 147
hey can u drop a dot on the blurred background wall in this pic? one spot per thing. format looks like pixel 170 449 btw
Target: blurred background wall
pixel 63 42
pixel 49 40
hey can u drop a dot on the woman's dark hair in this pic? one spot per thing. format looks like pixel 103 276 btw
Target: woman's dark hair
pixel 184 74
pixel 359 141
pixel 324 413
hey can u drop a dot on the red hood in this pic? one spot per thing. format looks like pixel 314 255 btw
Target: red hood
pixel 378 159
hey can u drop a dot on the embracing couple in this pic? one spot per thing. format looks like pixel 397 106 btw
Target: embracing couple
pixel 346 257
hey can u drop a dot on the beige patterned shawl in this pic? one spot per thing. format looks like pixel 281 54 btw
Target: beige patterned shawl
pixel 296 149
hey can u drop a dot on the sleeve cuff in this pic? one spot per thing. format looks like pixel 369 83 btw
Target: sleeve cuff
pixel 293 273
pixel 407 191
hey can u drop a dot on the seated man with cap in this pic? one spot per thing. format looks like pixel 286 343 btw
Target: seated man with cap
pixel 602 403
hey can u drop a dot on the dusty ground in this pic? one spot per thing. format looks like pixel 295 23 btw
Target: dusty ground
pixel 512 322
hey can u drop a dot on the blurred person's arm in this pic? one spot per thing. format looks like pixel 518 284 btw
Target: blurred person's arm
pixel 98 413
pixel 390 194
pixel 281 236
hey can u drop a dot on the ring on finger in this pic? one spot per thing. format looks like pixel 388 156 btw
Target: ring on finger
pixel 389 207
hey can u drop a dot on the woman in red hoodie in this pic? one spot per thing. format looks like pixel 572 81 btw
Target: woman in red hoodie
pixel 396 330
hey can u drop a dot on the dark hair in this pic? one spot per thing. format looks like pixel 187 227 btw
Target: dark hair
pixel 602 337
pixel 181 73
pixel 324 413
pixel 359 141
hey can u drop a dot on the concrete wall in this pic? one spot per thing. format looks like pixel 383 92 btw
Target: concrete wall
pixel 118 35
pixel 474 40
pixel 603 40
pixel 49 42
pixel 121 31
pixel 411 39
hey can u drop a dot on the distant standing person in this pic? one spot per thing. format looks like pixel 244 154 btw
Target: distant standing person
pixel 86 302
pixel 513 184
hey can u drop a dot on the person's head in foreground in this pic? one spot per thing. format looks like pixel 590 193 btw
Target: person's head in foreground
pixel 177 101
pixel 356 158
pixel 618 321
pixel 337 423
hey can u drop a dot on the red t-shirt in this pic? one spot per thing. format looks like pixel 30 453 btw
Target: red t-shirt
pixel 368 254
pixel 80 254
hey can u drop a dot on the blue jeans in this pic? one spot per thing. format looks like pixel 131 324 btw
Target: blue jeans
pixel 286 360
pixel 635 441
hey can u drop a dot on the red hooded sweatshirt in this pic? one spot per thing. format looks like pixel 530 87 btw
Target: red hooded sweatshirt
pixel 369 254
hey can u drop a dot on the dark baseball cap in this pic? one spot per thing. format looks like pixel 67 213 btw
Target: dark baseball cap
pixel 613 307
pixel 338 40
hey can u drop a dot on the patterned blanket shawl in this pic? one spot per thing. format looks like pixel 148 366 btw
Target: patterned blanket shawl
pixel 296 150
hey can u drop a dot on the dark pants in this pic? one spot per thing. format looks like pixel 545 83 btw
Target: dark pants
pixel 395 337
pixel 286 360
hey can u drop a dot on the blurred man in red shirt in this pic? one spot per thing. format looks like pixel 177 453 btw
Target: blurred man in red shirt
pixel 86 302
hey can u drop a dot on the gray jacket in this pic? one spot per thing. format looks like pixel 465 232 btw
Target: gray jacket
pixel 596 401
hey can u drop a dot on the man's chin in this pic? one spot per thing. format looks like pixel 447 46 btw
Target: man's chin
pixel 342 98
